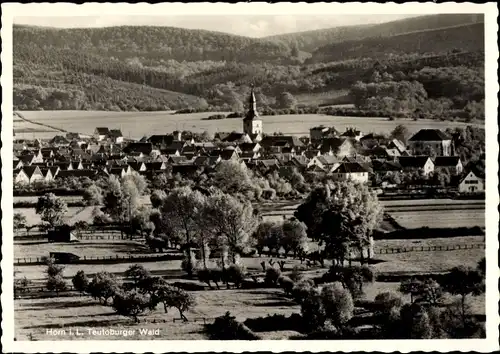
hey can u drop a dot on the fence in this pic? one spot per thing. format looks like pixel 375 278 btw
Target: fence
pixel 430 248
pixel 104 259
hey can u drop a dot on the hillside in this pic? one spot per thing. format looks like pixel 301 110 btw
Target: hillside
pixel 309 41
pixel 462 38
pixel 152 45
pixel 157 68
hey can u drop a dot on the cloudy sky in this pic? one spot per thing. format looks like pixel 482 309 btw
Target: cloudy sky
pixel 252 25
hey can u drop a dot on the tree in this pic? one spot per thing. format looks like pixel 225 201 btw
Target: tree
pixel 19 221
pixel 130 303
pixel 157 198
pixel 56 283
pixel 294 236
pixel 415 322
pixel 230 219
pixel 137 273
pixel 103 286
pixel 138 180
pixel 286 100
pixel 51 209
pixel 80 281
pixel 463 281
pixel 401 133
pixel 92 195
pixel 262 236
pixel 182 208
pixel 342 216
pixel 231 177
pixel 312 309
pixel 338 305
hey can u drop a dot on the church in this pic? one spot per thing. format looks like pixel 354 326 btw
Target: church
pixel 252 124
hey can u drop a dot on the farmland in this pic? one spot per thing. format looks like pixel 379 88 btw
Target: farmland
pixel 137 125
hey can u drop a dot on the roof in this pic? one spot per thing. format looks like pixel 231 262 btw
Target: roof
pixel 327 159
pixel 59 139
pixel 351 167
pixel 444 161
pixel 234 136
pixel 413 161
pixel 31 170
pixel 277 140
pixel 102 130
pixel 430 135
pixel 144 148
pixel 384 166
pixel 76 173
pixel 115 133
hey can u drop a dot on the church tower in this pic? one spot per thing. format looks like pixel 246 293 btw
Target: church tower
pixel 252 124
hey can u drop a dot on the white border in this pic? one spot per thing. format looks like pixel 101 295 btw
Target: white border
pixel 492 200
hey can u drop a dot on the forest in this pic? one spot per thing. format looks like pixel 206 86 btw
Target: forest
pixel 165 68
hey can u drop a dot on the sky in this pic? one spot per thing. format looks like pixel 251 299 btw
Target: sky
pixel 244 25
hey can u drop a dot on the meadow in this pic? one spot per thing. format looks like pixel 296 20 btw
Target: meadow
pixel 139 124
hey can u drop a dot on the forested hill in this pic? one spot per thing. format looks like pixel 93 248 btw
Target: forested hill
pixel 456 38
pixel 152 44
pixel 310 41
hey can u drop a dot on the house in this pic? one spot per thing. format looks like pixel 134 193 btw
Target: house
pixel 120 171
pixel 430 142
pixel 147 149
pixel 177 160
pixel 326 162
pixel 47 173
pixel 352 133
pixel 161 141
pixel 417 163
pixel 77 174
pixel 138 166
pixel 156 166
pixel 76 165
pixel 369 141
pixel 320 132
pixel 451 163
pixel 352 171
pixel 28 175
pixel 101 133
pixel 116 136
pixel 229 153
pixel 473 182
pixel 281 140
pixel 236 137
pixel 59 140
pixel 382 152
pixel 17 164
pixel 338 147
pixel 249 147
pixel 209 161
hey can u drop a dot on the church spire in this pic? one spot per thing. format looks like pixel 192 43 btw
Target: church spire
pixel 252 102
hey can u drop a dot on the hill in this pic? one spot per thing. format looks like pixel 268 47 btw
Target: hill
pixel 457 38
pixel 310 41
pixel 152 45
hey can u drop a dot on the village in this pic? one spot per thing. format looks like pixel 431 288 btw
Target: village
pixel 376 159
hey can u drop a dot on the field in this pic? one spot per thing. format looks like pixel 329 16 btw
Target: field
pixel 73 215
pixel 440 219
pixel 137 125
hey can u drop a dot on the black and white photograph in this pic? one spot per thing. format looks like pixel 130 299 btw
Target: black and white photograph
pixel 284 174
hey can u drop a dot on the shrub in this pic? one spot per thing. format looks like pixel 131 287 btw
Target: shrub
pixel 286 284
pixel 301 289
pixel 312 310
pixel 338 304
pixel 80 281
pixel 296 274
pixel 272 276
pixel 235 274
pixel 137 272
pixel 227 328
pixel 275 322
pixel 103 286
pixel 56 283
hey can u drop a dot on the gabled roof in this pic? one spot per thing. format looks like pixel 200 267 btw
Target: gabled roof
pixel 277 140
pixel 59 139
pixel 385 166
pixel 351 167
pixel 327 160
pixel 31 170
pixel 102 130
pixel 115 133
pixel 430 135
pixel 413 161
pixel 446 161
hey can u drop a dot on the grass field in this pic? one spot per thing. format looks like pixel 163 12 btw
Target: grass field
pixel 136 125
pixel 73 215
pixel 36 318
pixel 440 219
pixel 465 240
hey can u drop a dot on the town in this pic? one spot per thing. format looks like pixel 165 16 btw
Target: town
pixel 242 210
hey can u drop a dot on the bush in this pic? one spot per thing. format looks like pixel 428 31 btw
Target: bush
pixel 301 289
pixel 272 276
pixel 56 283
pixel 286 284
pixel 103 286
pixel 130 304
pixel 275 323
pixel 227 328
pixel 235 274
pixel 80 281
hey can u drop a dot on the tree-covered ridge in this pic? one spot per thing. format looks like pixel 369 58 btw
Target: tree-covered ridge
pixel 309 41
pixel 152 43
pixel 463 38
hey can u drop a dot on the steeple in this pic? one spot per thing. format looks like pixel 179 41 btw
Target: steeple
pixel 252 102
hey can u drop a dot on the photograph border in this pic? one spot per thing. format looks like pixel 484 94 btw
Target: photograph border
pixel 490 10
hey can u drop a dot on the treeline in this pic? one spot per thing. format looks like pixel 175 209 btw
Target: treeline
pixel 442 93
pixel 153 43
